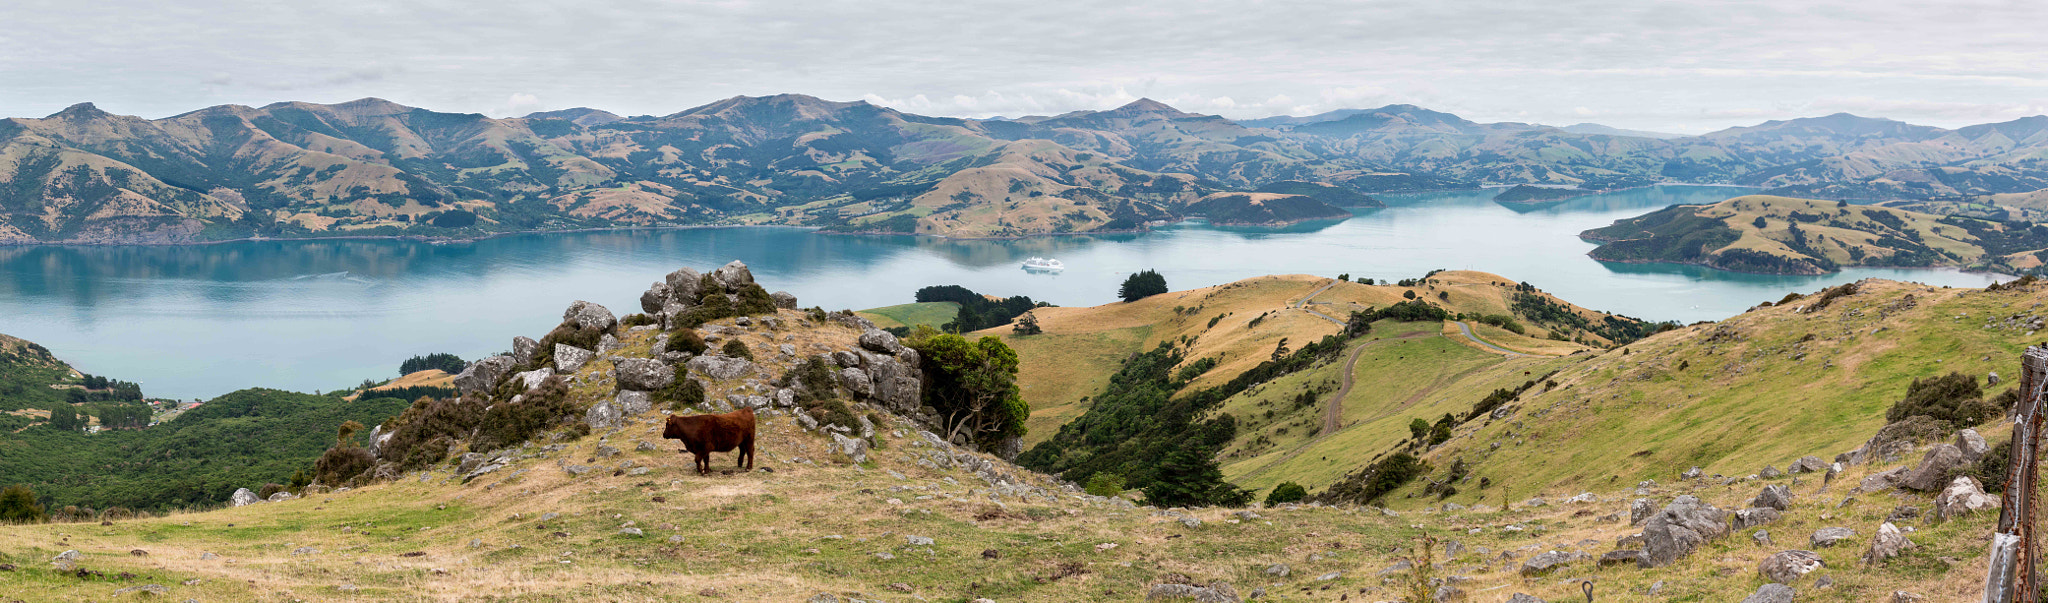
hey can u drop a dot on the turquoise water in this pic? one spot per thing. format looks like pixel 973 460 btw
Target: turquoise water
pixel 199 321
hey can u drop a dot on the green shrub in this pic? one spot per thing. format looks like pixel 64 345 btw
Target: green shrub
pixel 1954 399
pixel 1990 470
pixel 682 393
pixel 18 505
pixel 1104 483
pixel 1375 481
pixel 505 425
pixel 422 434
pixel 636 320
pixel 817 379
pixel 342 463
pixel 737 349
pixel 1286 492
pixel 686 339
pixel 1143 284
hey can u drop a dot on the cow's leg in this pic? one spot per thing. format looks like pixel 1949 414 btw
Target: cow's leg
pixel 747 452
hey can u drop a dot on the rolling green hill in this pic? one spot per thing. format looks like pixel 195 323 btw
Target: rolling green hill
pixel 1780 235
pixel 907 315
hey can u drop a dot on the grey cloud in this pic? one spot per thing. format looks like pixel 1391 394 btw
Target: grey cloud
pixel 1679 66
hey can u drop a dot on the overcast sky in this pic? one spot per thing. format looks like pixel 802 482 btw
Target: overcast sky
pixel 1671 66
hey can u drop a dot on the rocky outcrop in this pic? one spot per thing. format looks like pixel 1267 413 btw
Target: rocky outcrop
pixel 732 275
pixel 1807 464
pixel 644 374
pixel 1680 527
pixel 531 380
pixel 1549 561
pixel 1787 567
pixel 604 415
pixel 1962 497
pixel 720 367
pixel 1756 516
pixel 569 358
pixel 1881 481
pixel 590 316
pixel 523 349
pixel 1640 511
pixel 1934 469
pixel 483 375
pixel 783 300
pixel 853 448
pixel 1775 496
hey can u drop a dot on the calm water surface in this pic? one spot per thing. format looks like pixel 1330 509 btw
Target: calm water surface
pixel 200 321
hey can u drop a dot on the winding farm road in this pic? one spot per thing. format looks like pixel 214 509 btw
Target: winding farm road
pixel 1467 330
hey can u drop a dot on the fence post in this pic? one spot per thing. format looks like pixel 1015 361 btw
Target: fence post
pixel 2010 577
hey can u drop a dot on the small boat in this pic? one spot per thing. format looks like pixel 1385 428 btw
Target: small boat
pixel 1038 264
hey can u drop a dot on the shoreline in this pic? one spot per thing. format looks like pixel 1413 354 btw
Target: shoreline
pixel 1961 269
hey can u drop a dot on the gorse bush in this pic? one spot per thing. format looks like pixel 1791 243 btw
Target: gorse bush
pixel 1368 485
pixel 1104 483
pixel 568 333
pixel 1286 492
pixel 686 339
pixel 507 424
pixel 423 434
pixel 681 393
pixel 1954 399
pixel 737 349
pixel 18 505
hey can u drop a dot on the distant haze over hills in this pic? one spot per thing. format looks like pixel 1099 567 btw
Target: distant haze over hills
pixel 374 168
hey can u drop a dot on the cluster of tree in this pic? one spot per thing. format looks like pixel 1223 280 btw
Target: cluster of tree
pixel 242 439
pixel 1408 311
pixel 444 362
pixel 1143 284
pixel 1541 310
pixel 1430 434
pixel 973 386
pixel 977 311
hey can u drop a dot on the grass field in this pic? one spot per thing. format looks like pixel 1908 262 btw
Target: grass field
pixel 907 315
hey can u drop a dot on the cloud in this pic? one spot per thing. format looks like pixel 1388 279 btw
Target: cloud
pixel 1675 65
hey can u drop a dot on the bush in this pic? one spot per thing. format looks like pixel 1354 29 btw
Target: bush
pixel 686 339
pixel 1377 480
pixel 1286 492
pixel 1954 399
pixel 422 435
pixel 1990 470
pixel 1104 483
pixel 446 363
pixel 506 424
pixel 1505 322
pixel 736 349
pixel 342 463
pixel 817 379
pixel 1141 285
pixel 681 393
pixel 637 320
pixel 269 489
pixel 18 505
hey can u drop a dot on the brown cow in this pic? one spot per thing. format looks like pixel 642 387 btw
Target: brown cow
pixel 705 434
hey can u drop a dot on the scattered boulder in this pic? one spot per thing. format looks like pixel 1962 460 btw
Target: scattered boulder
pixel 1755 516
pixel 590 316
pixel 1787 567
pixel 483 375
pixel 1888 544
pixel 1547 562
pixel 685 285
pixel 733 275
pixel 1693 473
pixel 1962 497
pixel 1761 538
pixel 1807 464
pixel 1881 481
pixel 281 496
pixel 1770 593
pixel 783 300
pixel 1213 593
pixel 1775 496
pixel 242 498
pixel 569 358
pixel 632 403
pixel 523 349
pixel 1640 510
pixel 644 374
pixel 721 367
pixel 854 448
pixel 1972 445
pixel 1827 537
pixel 531 380
pixel 1679 528
pixel 656 296
pixel 1770 472
pixel 1622 557
pixel 1934 468
pixel 603 415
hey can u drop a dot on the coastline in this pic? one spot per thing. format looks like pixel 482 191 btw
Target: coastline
pixel 1962 269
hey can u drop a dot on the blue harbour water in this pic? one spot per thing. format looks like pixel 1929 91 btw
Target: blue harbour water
pixel 199 321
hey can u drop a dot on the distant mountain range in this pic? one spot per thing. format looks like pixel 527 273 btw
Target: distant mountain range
pixel 375 168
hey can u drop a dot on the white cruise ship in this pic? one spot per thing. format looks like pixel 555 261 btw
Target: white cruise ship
pixel 1037 264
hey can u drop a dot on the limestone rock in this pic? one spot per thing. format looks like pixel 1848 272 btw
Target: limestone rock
pixel 1640 510
pixel 1787 567
pixel 1770 593
pixel 1622 557
pixel 531 380
pixel 1888 544
pixel 1693 473
pixel 1807 464
pixel 685 286
pixel 1679 528
pixel 483 375
pixel 721 367
pixel 854 448
pixel 590 316
pixel 569 358
pixel 1549 561
pixel 1770 472
pixel 656 296
pixel 644 374
pixel 783 300
pixel 632 403
pixel 523 348
pixel 1881 481
pixel 1775 496
pixel 1827 537
pixel 1214 593
pixel 1755 516
pixel 880 341
pixel 1962 497
pixel 1934 468
pixel 1522 598
pixel 242 498
pixel 281 497
pixel 603 415
pixel 1972 445
pixel 857 381
pixel 732 276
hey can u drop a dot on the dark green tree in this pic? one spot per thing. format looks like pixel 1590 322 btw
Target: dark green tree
pixel 18 505
pixel 1286 492
pixel 1187 477
pixel 1139 286
pixel 1026 325
pixel 974 388
pixel 1418 429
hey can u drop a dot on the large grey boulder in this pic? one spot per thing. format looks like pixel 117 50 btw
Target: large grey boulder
pixel 880 341
pixel 1680 527
pixel 1890 542
pixel 720 367
pixel 569 358
pixel 733 276
pixel 1962 497
pixel 644 374
pixel 1775 496
pixel 1972 445
pixel 783 300
pixel 1807 464
pixel 854 448
pixel 531 380
pixel 685 286
pixel 483 375
pixel 1755 516
pixel 1640 511
pixel 632 403
pixel 898 386
pixel 1787 567
pixel 1549 561
pixel 523 349
pixel 656 296
pixel 590 316
pixel 1770 593
pixel 603 415
pixel 1881 481
pixel 857 381
pixel 1934 469
pixel 1827 537
pixel 243 497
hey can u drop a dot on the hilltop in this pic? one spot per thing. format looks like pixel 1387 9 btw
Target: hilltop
pixel 1780 235
pixel 1571 464
pixel 375 168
